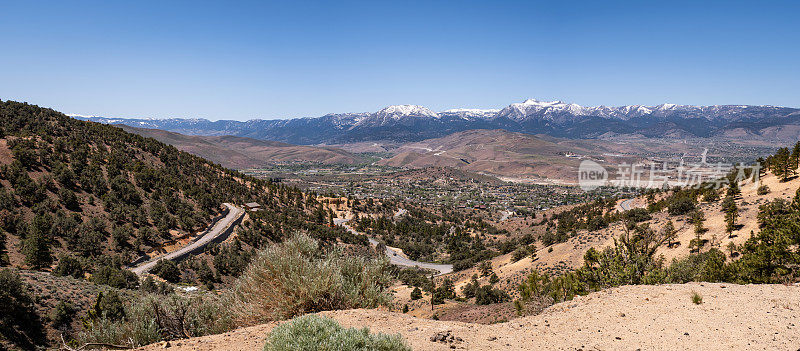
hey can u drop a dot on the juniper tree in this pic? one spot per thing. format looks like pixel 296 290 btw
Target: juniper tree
pixel 697 218
pixel 485 268
pixel 416 294
pixel 733 189
pixel 3 253
pixel 731 214
pixel 36 248
pixel 670 233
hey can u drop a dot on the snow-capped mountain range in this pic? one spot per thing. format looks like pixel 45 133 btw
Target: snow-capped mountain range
pixel 555 118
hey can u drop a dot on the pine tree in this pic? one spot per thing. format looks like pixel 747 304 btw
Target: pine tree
pixel 3 253
pixel 761 165
pixel 485 268
pixel 731 214
pixel 494 279
pixel 670 233
pixel 781 164
pixel 36 248
pixel 733 190
pixel 697 219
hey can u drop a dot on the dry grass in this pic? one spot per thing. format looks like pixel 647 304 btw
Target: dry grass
pixel 295 277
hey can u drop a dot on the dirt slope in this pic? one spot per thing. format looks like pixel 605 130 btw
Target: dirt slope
pixel 731 317
pixel 240 153
pixel 493 151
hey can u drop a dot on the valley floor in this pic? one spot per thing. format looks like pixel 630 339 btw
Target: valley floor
pixel 730 317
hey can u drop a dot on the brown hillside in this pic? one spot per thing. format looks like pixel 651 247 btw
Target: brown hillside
pixel 493 151
pixel 569 254
pixel 242 153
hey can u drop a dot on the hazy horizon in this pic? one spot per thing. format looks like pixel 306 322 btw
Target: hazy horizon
pixel 343 112
pixel 255 60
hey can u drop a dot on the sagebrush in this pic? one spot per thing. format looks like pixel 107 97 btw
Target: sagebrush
pixel 297 277
pixel 312 332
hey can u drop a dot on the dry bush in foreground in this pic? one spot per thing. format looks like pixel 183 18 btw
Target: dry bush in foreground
pixel 153 318
pixel 297 277
pixel 284 280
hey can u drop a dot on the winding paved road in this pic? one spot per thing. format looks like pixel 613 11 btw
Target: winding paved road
pixel 398 259
pixel 625 205
pixel 234 213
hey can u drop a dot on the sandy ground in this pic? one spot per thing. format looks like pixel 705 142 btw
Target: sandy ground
pixel 731 317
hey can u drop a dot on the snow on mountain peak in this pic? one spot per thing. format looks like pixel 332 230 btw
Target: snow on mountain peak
pixel 392 114
pixel 397 111
pixel 471 110
pixel 534 102
pixel 665 106
pixel 470 113
pixel 559 110
pixel 519 111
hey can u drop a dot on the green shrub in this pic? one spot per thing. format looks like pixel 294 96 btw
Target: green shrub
pixel 297 277
pixel 494 279
pixel 762 190
pixel 153 318
pixel 69 266
pixel 231 259
pixel 629 261
pixel 413 276
pixel 471 288
pixel 3 254
pixel 312 332
pixel 445 291
pixel 524 251
pixel 486 295
pixel 115 277
pixel 681 206
pixel 710 195
pixel 167 270
pixel 108 305
pixel 696 298
pixel 485 268
pixel 19 323
pixel 61 317
pixel 69 199
pixel 150 285
pixel 707 266
pixel 416 294
pixel 637 215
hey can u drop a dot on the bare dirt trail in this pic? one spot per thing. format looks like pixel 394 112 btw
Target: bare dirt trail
pixel 234 214
pixel 663 317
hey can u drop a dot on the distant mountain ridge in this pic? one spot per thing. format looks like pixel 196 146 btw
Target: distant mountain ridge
pixel 556 118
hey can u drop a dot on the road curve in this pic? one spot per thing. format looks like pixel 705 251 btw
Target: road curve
pixel 396 259
pixel 234 213
pixel 625 205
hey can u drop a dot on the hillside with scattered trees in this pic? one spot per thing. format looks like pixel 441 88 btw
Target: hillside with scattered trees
pixel 79 193
pixel 81 200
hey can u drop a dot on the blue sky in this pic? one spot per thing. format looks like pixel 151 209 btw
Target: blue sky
pixel 242 60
